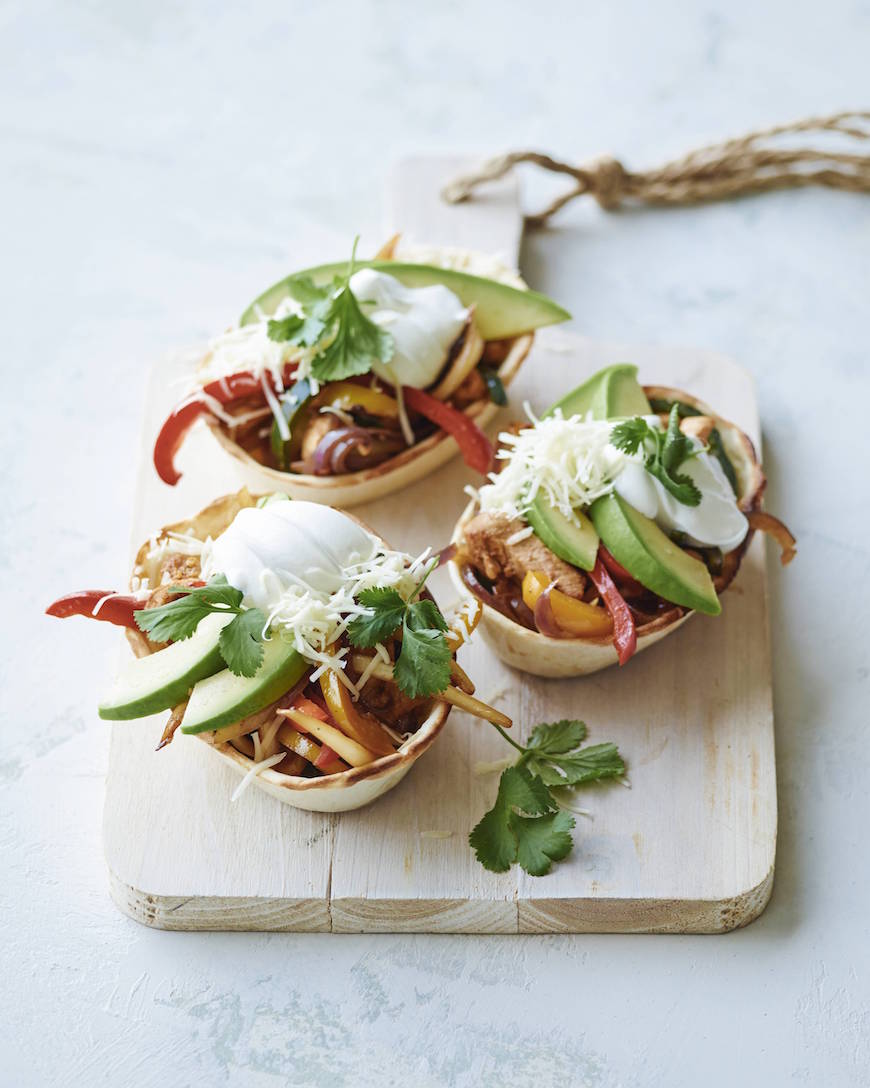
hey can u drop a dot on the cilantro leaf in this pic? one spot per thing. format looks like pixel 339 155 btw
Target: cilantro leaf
pixel 302 329
pixel 629 435
pixel 172 622
pixel 358 342
pixel 542 840
pixel 241 642
pixel 525 824
pixel 591 764
pixel 664 452
pixel 332 321
pixel 423 666
pixel 426 614
pixel 495 840
pixel 178 619
pixel 283 328
pixel 387 612
pixel 217 592
pixel 554 738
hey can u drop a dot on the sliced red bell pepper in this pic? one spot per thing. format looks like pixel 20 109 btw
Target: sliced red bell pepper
pixel 624 630
pixel 312 709
pixel 628 583
pixel 224 391
pixel 475 447
pixel 116 607
pixel 326 758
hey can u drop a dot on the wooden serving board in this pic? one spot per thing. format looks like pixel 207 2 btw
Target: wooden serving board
pixel 688 848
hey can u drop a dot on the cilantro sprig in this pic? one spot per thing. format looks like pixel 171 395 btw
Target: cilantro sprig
pixel 347 342
pixel 527 825
pixel 664 453
pixel 423 665
pixel 240 641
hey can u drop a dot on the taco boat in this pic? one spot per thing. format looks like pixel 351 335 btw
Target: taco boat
pixel 345 382
pixel 249 623
pixel 614 517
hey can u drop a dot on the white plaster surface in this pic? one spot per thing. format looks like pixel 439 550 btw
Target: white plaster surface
pixel 163 160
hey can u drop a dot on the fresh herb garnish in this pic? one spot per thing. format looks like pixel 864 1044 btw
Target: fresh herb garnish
pixel 241 640
pixel 423 665
pixel 347 342
pixel 714 439
pixel 526 825
pixel 664 453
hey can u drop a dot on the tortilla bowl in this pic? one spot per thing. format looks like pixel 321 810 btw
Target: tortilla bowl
pixel 531 652
pixel 353 488
pixel 350 789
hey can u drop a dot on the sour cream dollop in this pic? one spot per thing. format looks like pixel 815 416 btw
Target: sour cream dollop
pixel 269 550
pixel 572 463
pixel 716 522
pixel 423 321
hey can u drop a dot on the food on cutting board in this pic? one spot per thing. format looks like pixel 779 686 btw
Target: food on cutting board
pixel 347 381
pixel 611 518
pixel 295 641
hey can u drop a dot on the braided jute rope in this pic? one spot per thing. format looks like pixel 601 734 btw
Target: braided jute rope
pixel 754 163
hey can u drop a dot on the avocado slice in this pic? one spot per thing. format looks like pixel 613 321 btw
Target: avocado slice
pixel 612 392
pixel 163 679
pixel 500 311
pixel 651 557
pixel 574 541
pixel 224 698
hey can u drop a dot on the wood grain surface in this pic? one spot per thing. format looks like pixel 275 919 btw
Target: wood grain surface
pixel 689 847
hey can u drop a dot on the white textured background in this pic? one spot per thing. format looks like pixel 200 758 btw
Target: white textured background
pixel 159 162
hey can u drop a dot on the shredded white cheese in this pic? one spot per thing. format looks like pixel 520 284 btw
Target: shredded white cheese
pixel 520 534
pixel 570 461
pixel 256 769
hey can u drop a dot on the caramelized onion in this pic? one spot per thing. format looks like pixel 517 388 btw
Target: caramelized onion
pixel 767 523
pixel 545 621
pixel 507 605
pixel 348 449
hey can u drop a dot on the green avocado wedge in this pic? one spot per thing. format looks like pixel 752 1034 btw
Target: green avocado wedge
pixel 574 541
pixel 651 557
pixel 224 698
pixel 147 685
pixel 501 311
pixel 610 393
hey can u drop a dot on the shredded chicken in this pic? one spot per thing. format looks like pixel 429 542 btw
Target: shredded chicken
pixel 486 541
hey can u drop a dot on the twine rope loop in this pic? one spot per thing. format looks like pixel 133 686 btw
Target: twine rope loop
pixel 754 163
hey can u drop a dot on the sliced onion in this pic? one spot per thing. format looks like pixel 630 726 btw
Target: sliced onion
pixel 446 554
pixel 545 621
pixel 348 449
pixel 767 523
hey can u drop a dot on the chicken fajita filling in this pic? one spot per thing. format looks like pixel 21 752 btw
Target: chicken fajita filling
pixel 614 514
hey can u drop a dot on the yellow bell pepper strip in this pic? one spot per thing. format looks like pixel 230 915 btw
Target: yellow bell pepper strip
pixel 575 618
pixel 353 395
pixel 463 625
pixel 361 727
pixel 308 749
pixel 351 752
